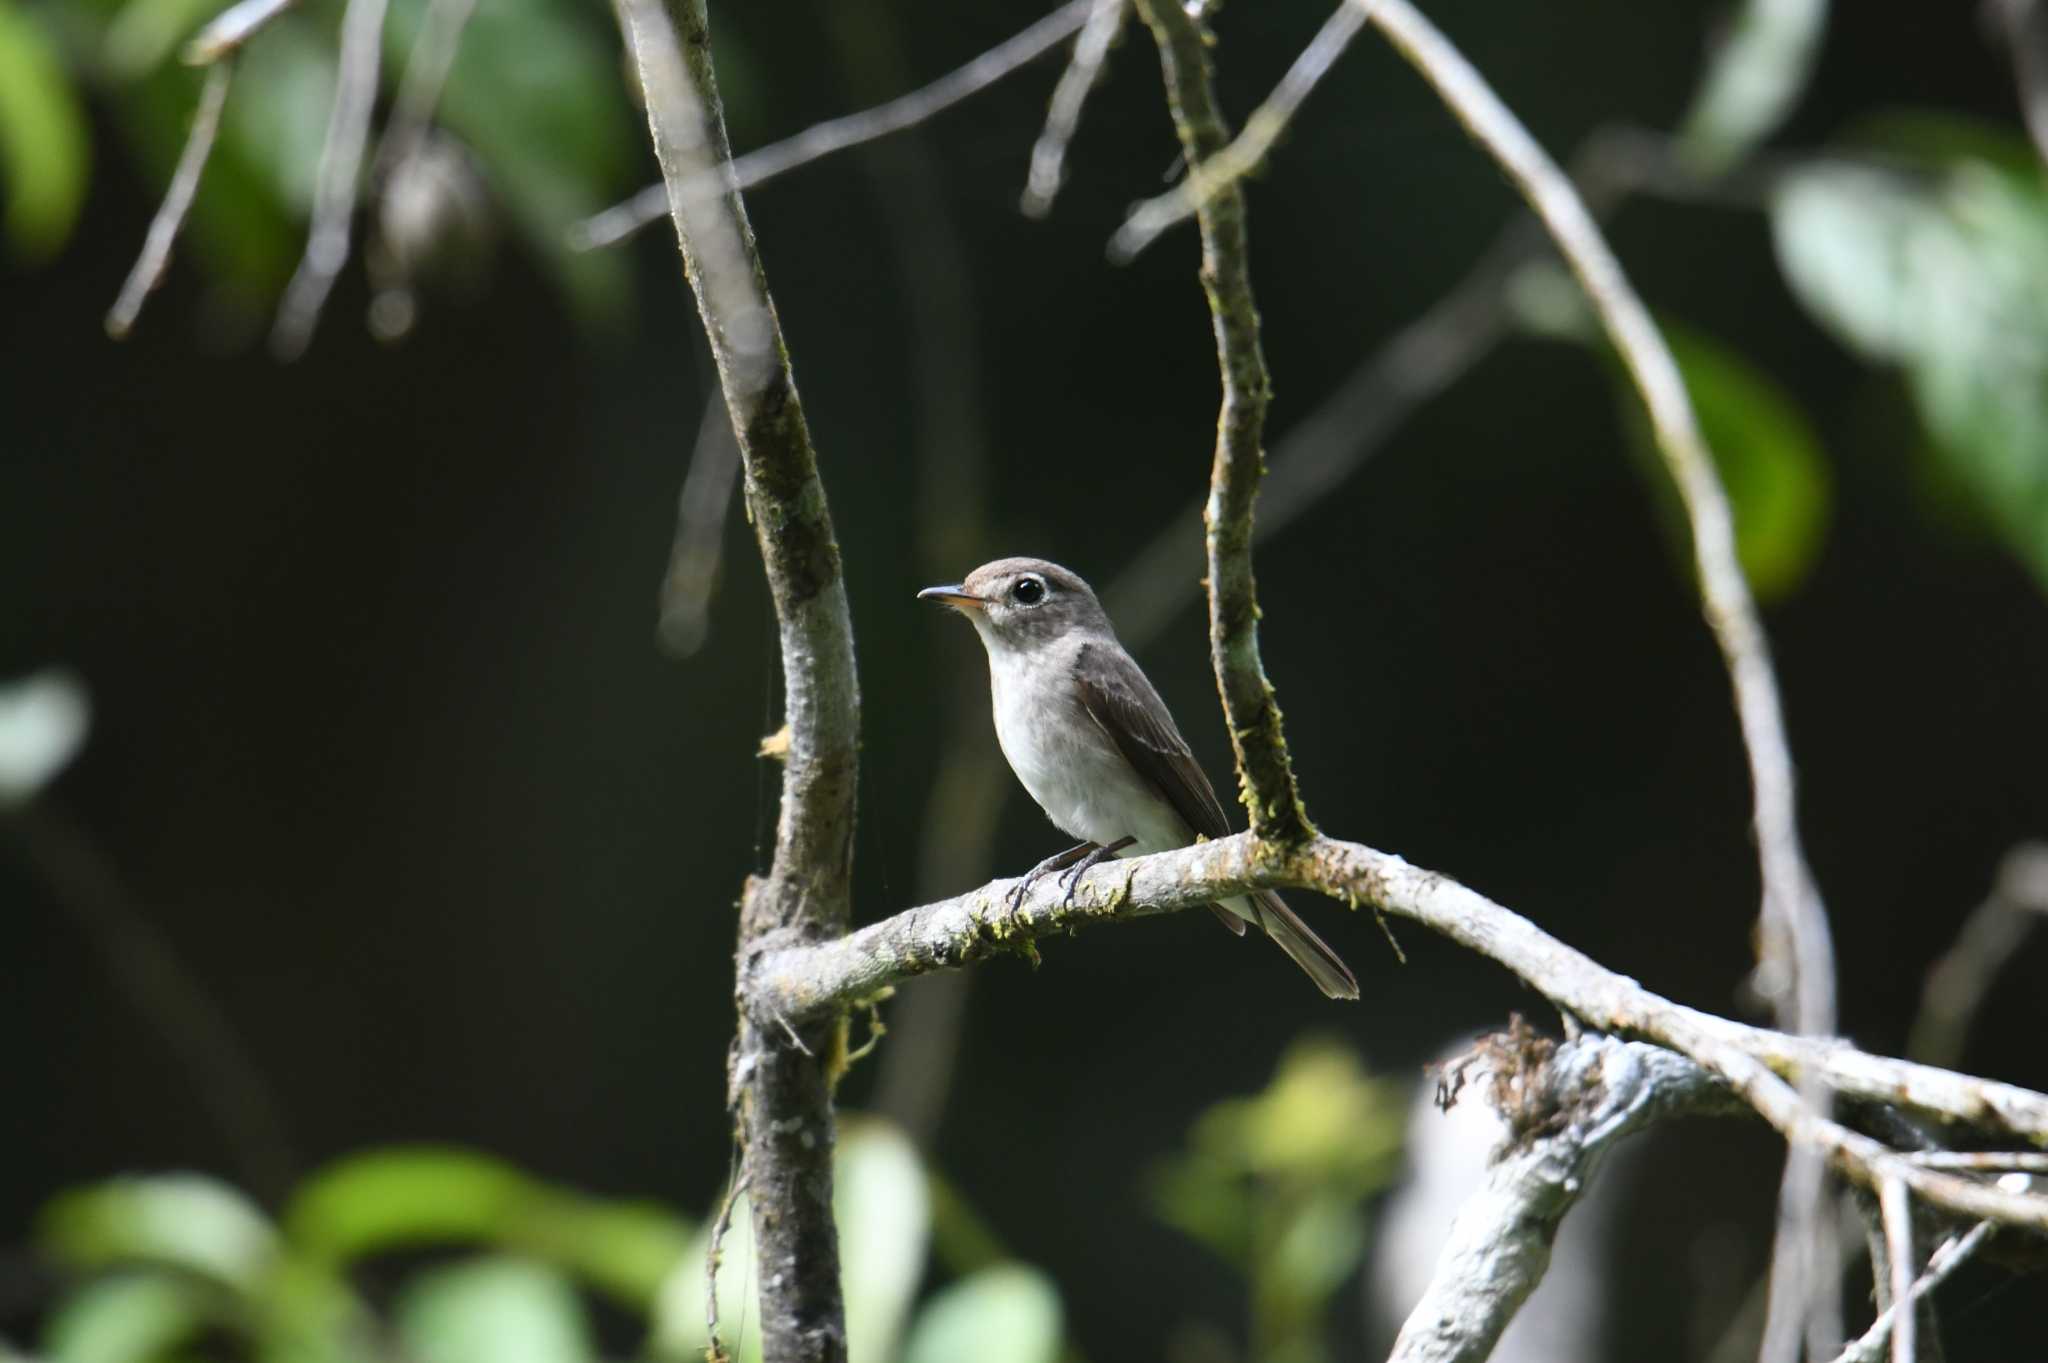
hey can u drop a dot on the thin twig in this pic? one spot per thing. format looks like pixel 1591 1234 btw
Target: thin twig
pixel 1265 773
pixel 419 89
pixel 1982 1161
pixel 1796 956
pixel 1217 172
pixel 1951 1255
pixel 231 30
pixel 735 1188
pixel 622 220
pixel 1063 116
pixel 1895 1207
pixel 334 194
pixel 170 216
pixel 1958 983
pixel 699 547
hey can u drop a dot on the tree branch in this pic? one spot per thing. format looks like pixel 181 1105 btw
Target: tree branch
pixel 1564 1109
pixel 780 1086
pixel 1758 1064
pixel 1264 772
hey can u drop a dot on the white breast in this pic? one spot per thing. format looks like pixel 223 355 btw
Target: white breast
pixel 1070 766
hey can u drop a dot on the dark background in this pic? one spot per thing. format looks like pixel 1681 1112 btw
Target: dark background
pixel 386 751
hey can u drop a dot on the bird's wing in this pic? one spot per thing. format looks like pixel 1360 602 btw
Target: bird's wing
pixel 1117 697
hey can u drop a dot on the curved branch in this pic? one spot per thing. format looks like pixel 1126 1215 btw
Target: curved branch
pixel 1265 774
pixel 779 1085
pixel 1758 1064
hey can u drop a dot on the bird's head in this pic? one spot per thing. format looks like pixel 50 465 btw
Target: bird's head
pixel 1019 603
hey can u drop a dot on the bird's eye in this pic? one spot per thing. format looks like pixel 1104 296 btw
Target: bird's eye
pixel 1029 591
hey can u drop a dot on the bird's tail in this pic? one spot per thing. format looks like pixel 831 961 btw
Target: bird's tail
pixel 1309 951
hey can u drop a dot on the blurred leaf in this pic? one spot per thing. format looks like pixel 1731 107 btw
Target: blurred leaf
pixel 308 1313
pixel 494 1310
pixel 1753 80
pixel 1938 139
pixel 1317 1249
pixel 1768 456
pixel 418 1195
pixel 1007 1314
pixel 1323 1118
pixel 44 148
pixel 145 31
pixel 184 1221
pixel 123 1318
pixel 536 92
pixel 884 1213
pixel 43 721
pixel 880 1199
pixel 405 1196
pixel 1945 277
pixel 276 118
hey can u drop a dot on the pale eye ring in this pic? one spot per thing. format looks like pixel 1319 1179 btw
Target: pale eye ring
pixel 1029 591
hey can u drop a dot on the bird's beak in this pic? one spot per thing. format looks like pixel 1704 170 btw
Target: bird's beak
pixel 952 595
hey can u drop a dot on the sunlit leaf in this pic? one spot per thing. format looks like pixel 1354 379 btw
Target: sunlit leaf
pixel 123 1318
pixel 185 1221
pixel 494 1310
pixel 1944 276
pixel 44 149
pixel 1322 1241
pixel 1006 1314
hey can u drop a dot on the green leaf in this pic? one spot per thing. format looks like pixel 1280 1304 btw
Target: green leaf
pixel 494 1310
pixel 1006 1314
pixel 1944 277
pixel 184 1221
pixel 125 1318
pixel 44 149
pixel 308 1313
pixel 1769 459
pixel 420 1195
pixel 406 1196
pixel 145 31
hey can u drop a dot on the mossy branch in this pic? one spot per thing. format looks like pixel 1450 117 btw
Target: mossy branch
pixel 1265 773
pixel 780 1088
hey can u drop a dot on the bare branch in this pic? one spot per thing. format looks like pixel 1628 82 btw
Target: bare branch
pixel 231 30
pixel 1063 117
pixel 1895 1207
pixel 334 193
pixel 622 220
pixel 1957 983
pixel 1982 1161
pixel 1568 1109
pixel 1265 774
pixel 780 1086
pixel 1952 1255
pixel 1219 170
pixel 170 216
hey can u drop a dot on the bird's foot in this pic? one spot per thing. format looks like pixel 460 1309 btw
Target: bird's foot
pixel 1071 881
pixel 1058 861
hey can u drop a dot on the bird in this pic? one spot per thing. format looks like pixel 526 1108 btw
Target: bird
pixel 1088 736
